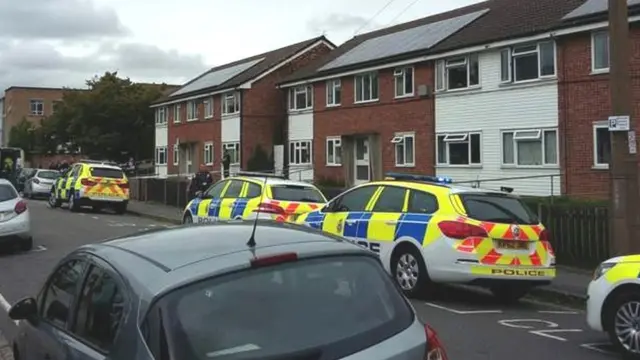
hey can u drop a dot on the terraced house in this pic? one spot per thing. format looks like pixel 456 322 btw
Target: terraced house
pixel 234 107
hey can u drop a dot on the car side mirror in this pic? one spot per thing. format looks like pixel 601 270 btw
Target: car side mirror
pixel 24 309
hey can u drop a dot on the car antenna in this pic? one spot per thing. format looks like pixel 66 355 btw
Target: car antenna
pixel 252 239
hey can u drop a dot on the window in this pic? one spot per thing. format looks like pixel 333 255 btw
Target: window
pixel 176 154
pixel 404 81
pixel 334 151
pixel 334 92
pixel 208 108
pixel 405 149
pixel 56 104
pixel 208 153
pixel 177 109
pixel 459 149
pixel 36 107
pixel 100 309
pixel 233 149
pixel 458 73
pixel 301 97
pixel 534 147
pixel 215 190
pixel 528 62
pixel 161 155
pixel 297 193
pixel 497 208
pixel 106 172
pixel 366 88
pixel 253 190
pixel 234 189
pixel 7 192
pixel 192 111
pixel 601 145
pixel 61 291
pixel 391 199
pixel 422 203
pixel 355 200
pixel 600 51
pixel 231 103
pixel 300 152
pixel 161 116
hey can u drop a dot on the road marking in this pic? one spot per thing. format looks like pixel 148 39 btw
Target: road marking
pixel 6 307
pixel 461 312
pixel 595 347
pixel 39 248
pixel 81 214
pixel 510 322
pixel 95 217
pixel 546 334
pixel 558 312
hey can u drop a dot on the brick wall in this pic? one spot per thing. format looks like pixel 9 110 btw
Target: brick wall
pixel 18 102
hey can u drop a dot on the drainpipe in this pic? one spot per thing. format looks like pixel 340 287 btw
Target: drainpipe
pixel 563 83
pixel 285 135
pixel 240 100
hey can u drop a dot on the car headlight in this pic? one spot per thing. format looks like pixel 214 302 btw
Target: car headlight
pixel 602 269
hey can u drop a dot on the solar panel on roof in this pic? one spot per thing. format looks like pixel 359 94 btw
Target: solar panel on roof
pixel 593 7
pixel 215 78
pixel 414 39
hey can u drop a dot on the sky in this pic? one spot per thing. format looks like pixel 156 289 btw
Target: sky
pixel 63 43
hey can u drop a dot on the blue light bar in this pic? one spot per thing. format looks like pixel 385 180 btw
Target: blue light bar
pixel 425 178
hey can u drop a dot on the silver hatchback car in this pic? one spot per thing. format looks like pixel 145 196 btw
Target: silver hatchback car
pixel 206 292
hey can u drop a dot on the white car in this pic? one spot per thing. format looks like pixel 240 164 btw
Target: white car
pixel 39 185
pixel 15 225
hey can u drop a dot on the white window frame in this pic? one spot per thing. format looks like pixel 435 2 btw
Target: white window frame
pixel 161 150
pixel 401 138
pixel 38 110
pixel 593 52
pixel 233 98
pixel 234 146
pixel 442 71
pixel 208 108
pixel 458 137
pixel 192 110
pixel 334 143
pixel 161 116
pixel 298 146
pixel 208 153
pixel 400 74
pixel 332 86
pixel 176 113
pixel 176 154
pixel 596 126
pixel 513 57
pixel 529 134
pixel 360 78
pixel 307 91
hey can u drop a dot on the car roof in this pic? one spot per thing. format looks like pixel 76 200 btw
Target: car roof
pixel 101 165
pixel 5 182
pixel 273 181
pixel 436 188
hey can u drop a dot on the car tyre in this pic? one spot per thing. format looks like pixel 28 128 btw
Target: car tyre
pixel 509 293
pixel 121 209
pixel 615 320
pixel 187 219
pixel 73 206
pixel 53 200
pixel 26 244
pixel 409 270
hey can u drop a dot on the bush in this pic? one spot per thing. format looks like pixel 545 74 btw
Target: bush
pixel 260 160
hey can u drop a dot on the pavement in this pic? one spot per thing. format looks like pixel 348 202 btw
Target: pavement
pixel 469 322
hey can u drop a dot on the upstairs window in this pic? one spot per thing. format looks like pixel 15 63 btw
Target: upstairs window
pixel 208 108
pixel 528 62
pixel 334 92
pixel 177 110
pixel 458 73
pixel 366 87
pixel 301 98
pixel 403 81
pixel 459 149
pixel 192 111
pixel 161 115
pixel 36 107
pixel 600 51
pixel 530 147
pixel 231 103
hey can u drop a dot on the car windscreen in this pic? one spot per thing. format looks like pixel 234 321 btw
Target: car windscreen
pixel 48 174
pixel 7 192
pixel 498 208
pixel 299 193
pixel 106 172
pixel 335 306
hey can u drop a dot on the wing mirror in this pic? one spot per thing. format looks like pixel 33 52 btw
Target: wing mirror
pixel 24 309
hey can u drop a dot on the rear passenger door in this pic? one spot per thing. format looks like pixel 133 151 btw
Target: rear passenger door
pixel 386 213
pixel 251 196
pixel 343 213
pixel 416 223
pixel 229 198
pixel 209 206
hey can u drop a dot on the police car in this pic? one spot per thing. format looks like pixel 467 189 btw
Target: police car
pixel 428 230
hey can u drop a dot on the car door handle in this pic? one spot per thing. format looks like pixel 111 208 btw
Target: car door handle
pixel 391 222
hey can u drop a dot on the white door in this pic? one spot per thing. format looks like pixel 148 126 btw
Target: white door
pixel 189 159
pixel 362 169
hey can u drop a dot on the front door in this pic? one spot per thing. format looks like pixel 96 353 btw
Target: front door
pixel 362 169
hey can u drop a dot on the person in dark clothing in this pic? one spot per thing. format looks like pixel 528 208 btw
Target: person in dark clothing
pixel 200 181
pixel 226 163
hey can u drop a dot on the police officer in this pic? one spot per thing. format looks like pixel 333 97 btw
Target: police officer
pixel 8 164
pixel 201 180
pixel 226 163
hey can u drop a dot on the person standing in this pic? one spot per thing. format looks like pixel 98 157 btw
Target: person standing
pixel 226 163
pixel 200 181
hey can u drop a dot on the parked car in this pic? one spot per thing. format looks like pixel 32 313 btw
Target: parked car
pixel 286 293
pixel 15 225
pixel 23 176
pixel 39 185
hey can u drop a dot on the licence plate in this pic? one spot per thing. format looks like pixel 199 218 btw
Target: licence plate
pixel 512 245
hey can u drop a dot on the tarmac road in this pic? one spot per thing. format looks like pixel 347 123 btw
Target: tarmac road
pixel 470 323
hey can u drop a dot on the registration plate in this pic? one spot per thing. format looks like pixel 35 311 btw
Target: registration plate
pixel 512 244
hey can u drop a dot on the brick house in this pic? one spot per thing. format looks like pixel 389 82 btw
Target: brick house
pixel 234 107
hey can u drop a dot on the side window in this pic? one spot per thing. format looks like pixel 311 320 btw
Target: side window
pixel 391 200
pixel 215 191
pixel 355 200
pixel 60 292
pixel 75 170
pixel 234 190
pixel 100 309
pixel 422 203
pixel 254 190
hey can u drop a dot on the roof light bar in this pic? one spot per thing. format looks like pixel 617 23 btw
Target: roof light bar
pixel 415 177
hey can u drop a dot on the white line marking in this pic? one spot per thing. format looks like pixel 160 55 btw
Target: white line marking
pixel 6 307
pixel 39 248
pixel 461 312
pixel 545 333
pixel 95 217
pixel 509 323
pixel 558 312
pixel 594 347
pixel 81 214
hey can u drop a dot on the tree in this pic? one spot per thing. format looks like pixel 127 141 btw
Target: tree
pixel 22 136
pixel 260 160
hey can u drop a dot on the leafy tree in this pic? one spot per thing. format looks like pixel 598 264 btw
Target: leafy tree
pixel 22 135
pixel 260 160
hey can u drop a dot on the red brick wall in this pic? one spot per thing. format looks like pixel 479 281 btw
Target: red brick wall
pixel 264 107
pixel 584 99
pixel 385 117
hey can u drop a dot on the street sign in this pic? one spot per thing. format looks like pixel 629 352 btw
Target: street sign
pixel 619 123
pixel 633 146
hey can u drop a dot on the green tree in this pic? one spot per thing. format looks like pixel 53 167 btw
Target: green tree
pixel 260 160
pixel 22 135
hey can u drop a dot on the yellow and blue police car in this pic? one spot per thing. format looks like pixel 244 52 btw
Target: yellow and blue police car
pixel 613 303
pixel 426 230
pixel 252 194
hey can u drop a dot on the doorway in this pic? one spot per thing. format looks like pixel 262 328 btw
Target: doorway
pixel 362 169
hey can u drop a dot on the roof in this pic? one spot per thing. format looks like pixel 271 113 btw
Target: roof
pixel 505 19
pixel 238 72
pixel 41 88
pixel 272 180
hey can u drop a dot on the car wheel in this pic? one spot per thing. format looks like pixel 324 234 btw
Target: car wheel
pixel 409 270
pixel 187 219
pixel 53 200
pixel 622 323
pixel 121 209
pixel 509 293
pixel 73 206
pixel 26 244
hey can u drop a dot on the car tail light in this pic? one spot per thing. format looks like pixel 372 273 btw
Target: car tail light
pixel 435 349
pixel 20 207
pixel 124 185
pixel 36 181
pixel 269 208
pixel 274 259
pixel 544 235
pixel 87 182
pixel 461 230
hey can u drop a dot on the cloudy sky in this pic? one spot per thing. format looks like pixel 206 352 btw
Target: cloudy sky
pixel 57 43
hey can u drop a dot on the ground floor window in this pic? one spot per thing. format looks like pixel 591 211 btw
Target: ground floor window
pixel 601 145
pixel 462 148
pixel 233 149
pixel 334 151
pixel 530 147
pixel 208 153
pixel 300 152
pixel 176 154
pixel 161 155
pixel 405 149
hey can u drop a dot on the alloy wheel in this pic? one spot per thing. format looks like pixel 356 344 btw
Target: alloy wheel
pixel 407 272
